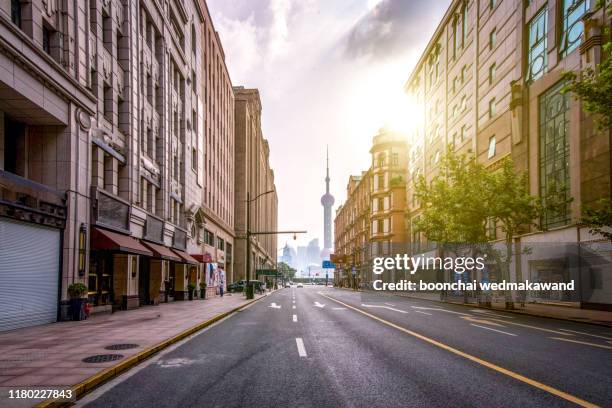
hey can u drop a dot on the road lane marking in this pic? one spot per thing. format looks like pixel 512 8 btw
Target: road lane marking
pixel 475 359
pixel 273 305
pixel 532 327
pixel 492 329
pixel 339 308
pixel 295 318
pixel 489 313
pixel 389 304
pixel 317 304
pixel 425 313
pixel 293 307
pixel 582 342
pixel 293 301
pixel 481 321
pixel 385 307
pixel 439 309
pixel 300 346
pixel 587 334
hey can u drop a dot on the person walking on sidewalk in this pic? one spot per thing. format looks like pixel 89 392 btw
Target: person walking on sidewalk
pixel 221 282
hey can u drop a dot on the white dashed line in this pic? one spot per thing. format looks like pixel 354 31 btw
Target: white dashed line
pixel 293 306
pixel 587 334
pixel 495 330
pixel 300 347
pixel 425 313
pixel 295 318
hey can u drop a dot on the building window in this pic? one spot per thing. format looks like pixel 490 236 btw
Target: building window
pixel 209 238
pixel 463 71
pixel 573 10
pixel 395 159
pixel 16 12
pixel 492 38
pixel 492 4
pixel 220 244
pixel 492 72
pixel 554 151
pixel 46 40
pixel 455 39
pixel 537 45
pixel 463 133
pixel 465 26
pixel 454 84
pixel 463 103
pixel 492 146
pixel 492 108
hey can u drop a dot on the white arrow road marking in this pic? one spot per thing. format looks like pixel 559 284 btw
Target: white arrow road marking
pixel 495 330
pixel 317 304
pixel 295 318
pixel 273 305
pixel 300 346
pixel 385 307
pixel 425 313
pixel 587 334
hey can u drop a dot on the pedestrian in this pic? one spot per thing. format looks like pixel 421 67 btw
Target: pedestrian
pixel 221 282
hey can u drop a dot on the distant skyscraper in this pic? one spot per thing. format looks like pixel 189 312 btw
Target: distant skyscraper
pixel 327 201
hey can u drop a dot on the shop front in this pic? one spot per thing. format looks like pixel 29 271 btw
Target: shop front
pixel 154 274
pixel 113 270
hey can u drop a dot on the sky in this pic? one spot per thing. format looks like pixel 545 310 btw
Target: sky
pixel 330 73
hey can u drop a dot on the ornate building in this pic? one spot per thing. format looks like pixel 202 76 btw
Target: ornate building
pixel 489 84
pixel 116 144
pixel 255 190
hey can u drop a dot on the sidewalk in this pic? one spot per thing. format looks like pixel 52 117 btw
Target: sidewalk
pixel 576 314
pixel 52 354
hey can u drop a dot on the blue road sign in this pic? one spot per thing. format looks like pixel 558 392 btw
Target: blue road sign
pixel 328 265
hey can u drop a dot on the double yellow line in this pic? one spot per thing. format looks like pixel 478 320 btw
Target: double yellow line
pixel 509 373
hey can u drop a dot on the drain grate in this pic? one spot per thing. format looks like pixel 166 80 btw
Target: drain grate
pixel 122 346
pixel 102 358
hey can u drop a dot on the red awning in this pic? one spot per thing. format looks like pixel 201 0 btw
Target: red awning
pixel 198 257
pixel 185 257
pixel 160 251
pixel 113 241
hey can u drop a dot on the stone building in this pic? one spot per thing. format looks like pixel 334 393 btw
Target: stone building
pixel 371 221
pixel 102 168
pixel 254 181
pixel 489 84
pixel 216 217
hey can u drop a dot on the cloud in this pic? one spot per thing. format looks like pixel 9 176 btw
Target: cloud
pixel 392 26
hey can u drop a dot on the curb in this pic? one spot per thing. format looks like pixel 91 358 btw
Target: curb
pixel 98 379
pixel 590 322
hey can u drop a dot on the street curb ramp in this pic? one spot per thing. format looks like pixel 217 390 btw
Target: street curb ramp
pixel 96 380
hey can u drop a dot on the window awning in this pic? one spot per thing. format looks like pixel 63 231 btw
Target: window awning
pixel 160 251
pixel 113 241
pixel 185 257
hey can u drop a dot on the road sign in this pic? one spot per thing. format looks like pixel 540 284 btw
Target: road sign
pixel 328 265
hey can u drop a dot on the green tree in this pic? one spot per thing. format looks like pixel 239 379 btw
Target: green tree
pixel 515 209
pixel 287 271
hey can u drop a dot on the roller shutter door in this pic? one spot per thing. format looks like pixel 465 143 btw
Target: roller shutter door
pixel 29 274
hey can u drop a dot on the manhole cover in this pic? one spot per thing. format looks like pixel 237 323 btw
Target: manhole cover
pixel 123 346
pixel 102 358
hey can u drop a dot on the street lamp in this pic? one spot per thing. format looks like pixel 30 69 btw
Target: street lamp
pixel 249 294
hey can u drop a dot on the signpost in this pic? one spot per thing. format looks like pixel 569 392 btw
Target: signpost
pixel 328 265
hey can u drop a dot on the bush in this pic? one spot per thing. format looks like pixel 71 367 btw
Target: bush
pixel 191 287
pixel 77 290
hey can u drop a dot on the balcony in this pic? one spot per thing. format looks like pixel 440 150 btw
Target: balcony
pixel 26 200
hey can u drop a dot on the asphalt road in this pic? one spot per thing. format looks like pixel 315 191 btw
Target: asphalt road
pixel 347 349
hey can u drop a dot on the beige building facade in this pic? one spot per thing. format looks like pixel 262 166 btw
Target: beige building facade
pixel 255 190
pixel 489 85
pixel 371 221
pixel 116 155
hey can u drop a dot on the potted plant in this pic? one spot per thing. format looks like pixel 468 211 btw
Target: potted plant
pixel 77 301
pixel 203 290
pixel 191 287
